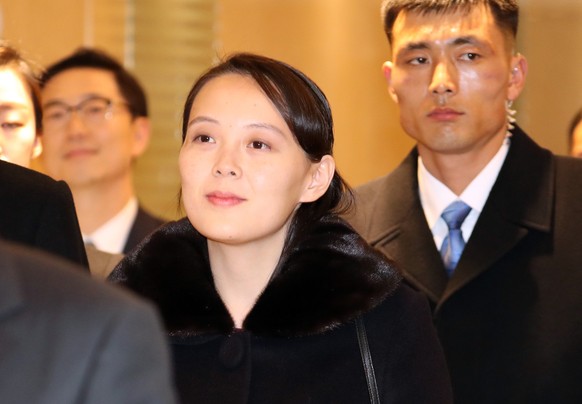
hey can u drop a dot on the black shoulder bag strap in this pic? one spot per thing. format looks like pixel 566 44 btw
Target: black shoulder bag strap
pixel 367 361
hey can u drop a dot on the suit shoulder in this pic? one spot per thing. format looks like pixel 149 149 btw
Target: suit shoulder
pixel 143 225
pixel 23 182
pixel 145 218
pixel 404 174
pixel 568 190
pixel 569 165
pixel 14 174
pixel 373 187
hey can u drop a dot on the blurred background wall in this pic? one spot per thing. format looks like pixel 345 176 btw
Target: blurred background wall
pixel 338 43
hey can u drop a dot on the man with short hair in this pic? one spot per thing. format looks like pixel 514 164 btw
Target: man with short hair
pixel 95 125
pixel 479 217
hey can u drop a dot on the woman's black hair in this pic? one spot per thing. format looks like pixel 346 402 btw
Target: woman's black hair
pixel 306 112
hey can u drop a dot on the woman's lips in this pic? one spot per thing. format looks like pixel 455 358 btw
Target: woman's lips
pixel 224 198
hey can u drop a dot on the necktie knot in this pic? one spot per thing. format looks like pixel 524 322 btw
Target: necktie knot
pixel 454 215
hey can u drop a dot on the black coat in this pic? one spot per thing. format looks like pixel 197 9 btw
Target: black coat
pixel 298 343
pixel 38 211
pixel 510 318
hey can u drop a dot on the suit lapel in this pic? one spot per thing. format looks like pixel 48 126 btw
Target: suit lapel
pixel 490 241
pixel 400 230
pixel 521 201
pixel 412 246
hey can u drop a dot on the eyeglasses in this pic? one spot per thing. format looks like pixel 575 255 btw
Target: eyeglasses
pixel 92 111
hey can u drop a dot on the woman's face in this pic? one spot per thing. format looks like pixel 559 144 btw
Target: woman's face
pixel 243 173
pixel 18 141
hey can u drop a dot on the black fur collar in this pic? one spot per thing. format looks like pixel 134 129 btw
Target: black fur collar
pixel 328 278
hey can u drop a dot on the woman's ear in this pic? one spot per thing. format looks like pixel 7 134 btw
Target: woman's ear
pixel 321 174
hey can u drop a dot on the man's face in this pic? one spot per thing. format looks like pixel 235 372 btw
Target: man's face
pixel 576 150
pixel 95 143
pixel 451 76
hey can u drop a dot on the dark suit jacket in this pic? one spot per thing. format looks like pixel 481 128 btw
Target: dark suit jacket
pixel 39 211
pixel 510 318
pixel 65 338
pixel 143 225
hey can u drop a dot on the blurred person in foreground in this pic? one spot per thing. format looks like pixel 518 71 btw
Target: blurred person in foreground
pixel 68 339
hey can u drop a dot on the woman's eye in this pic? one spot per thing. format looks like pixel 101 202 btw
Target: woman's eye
pixel 257 144
pixel 203 139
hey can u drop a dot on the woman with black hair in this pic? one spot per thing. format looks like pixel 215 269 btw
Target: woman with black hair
pixel 267 295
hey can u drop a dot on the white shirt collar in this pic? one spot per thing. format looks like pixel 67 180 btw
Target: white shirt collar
pixel 435 196
pixel 112 235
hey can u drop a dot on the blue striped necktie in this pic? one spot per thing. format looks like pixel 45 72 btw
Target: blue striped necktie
pixel 453 245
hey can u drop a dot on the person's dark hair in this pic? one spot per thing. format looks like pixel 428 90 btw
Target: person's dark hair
pixel 573 124
pixel 505 12
pixel 129 87
pixel 306 111
pixel 10 58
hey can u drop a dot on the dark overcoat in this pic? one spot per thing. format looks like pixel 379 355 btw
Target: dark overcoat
pixel 510 318
pixel 38 211
pixel 298 343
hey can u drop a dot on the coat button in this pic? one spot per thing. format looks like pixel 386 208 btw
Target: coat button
pixel 232 351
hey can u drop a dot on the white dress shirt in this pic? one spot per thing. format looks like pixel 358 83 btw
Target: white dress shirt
pixel 435 196
pixel 112 235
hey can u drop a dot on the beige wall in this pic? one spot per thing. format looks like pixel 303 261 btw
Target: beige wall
pixel 46 30
pixel 339 43
pixel 551 38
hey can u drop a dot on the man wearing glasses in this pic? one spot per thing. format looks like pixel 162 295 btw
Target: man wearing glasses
pixel 95 125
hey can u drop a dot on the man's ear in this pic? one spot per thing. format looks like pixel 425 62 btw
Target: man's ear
pixel 36 147
pixel 141 135
pixel 517 76
pixel 321 174
pixel 387 70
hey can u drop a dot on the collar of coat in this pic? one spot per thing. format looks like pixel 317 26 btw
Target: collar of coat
pixel 327 278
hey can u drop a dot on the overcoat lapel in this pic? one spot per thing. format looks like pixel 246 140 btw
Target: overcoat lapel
pixel 413 249
pixel 399 229
pixel 521 201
